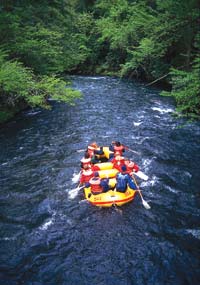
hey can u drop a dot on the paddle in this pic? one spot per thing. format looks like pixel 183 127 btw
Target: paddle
pixel 80 150
pixel 76 189
pixel 144 203
pixel 141 175
pixel 131 150
pixel 127 148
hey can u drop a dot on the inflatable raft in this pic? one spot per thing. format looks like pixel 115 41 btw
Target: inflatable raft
pixel 110 198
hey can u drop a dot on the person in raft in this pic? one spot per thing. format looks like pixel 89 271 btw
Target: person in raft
pixel 116 146
pixel 97 184
pixel 86 161
pixel 94 150
pixel 131 166
pixel 123 179
pixel 86 175
pixel 118 161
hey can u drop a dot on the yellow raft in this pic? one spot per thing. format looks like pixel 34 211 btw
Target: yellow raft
pixel 110 198
pixel 107 153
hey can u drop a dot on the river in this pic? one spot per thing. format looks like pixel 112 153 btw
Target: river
pixel 51 238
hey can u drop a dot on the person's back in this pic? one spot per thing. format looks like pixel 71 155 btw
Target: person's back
pixel 86 161
pixel 123 180
pixel 86 175
pixel 95 184
pixel 105 184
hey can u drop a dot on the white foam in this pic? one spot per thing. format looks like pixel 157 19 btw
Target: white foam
pixel 137 123
pixel 140 140
pixel 188 174
pixel 147 162
pixel 72 193
pixel 31 113
pixel 46 225
pixel 76 177
pixel 162 110
pixel 8 238
pixel 194 232
pixel 171 189
pixel 151 182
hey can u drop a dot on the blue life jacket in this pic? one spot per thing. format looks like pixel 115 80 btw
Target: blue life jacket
pixel 121 182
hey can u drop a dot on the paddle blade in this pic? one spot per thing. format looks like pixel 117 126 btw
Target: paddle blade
pixel 141 175
pixel 146 205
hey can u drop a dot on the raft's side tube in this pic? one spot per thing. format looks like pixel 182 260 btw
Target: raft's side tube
pixel 108 173
pixel 104 165
pixel 109 198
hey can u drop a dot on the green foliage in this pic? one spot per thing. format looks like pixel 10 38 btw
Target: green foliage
pixel 49 37
pixel 19 83
pixel 40 49
pixel 14 80
pixel 186 90
pixel 147 39
pixel 40 39
pixel 5 115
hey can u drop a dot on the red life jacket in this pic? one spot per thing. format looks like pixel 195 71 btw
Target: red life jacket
pixel 131 166
pixel 90 150
pixel 95 185
pixel 86 176
pixel 86 162
pixel 118 162
pixel 95 168
pixel 118 149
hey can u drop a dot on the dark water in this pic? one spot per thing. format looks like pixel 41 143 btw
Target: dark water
pixel 48 237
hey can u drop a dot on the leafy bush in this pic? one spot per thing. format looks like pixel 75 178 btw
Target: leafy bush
pixel 186 90
pixel 19 83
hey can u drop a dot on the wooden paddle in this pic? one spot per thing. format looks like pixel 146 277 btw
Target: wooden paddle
pixel 144 203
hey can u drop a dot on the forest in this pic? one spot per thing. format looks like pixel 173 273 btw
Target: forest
pixel 43 41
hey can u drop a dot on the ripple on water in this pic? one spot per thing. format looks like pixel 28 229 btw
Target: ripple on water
pixel 48 237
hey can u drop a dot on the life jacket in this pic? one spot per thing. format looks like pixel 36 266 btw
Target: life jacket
pixel 86 175
pixel 131 166
pixel 96 188
pixel 95 168
pixel 118 149
pixel 121 182
pixel 85 162
pixel 90 150
pixel 118 161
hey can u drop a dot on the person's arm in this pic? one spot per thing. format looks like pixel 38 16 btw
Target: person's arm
pixel 131 183
pixel 136 168
pixel 111 147
pixel 99 151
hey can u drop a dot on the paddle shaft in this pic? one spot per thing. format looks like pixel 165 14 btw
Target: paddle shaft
pixel 77 188
pixel 131 150
pixel 144 203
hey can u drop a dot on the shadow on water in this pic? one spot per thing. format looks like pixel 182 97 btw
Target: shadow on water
pixel 48 237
